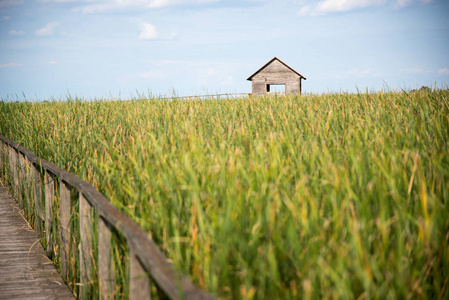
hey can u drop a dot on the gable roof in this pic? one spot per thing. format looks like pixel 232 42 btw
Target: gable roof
pixel 273 59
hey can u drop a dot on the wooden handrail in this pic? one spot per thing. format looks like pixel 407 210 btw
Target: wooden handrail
pixel 146 258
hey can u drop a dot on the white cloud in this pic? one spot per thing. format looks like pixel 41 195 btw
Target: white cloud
pixel 334 6
pixel 414 71
pixel 364 72
pixel 5 3
pixel 16 33
pixel 196 73
pixel 48 30
pixel 159 3
pixel 305 11
pixel 172 62
pixel 149 32
pixel 107 5
pixel 63 1
pixel 444 71
pixel 328 6
pixel 151 74
pixel 11 64
pixel 357 73
pixel 402 3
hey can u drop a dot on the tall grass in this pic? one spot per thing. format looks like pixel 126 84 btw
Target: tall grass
pixel 330 196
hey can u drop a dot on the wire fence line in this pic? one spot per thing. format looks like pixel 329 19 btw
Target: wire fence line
pixel 203 97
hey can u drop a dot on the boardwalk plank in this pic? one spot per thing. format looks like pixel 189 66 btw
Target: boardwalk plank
pixel 25 270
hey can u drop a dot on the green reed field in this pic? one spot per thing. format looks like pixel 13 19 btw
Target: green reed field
pixel 321 196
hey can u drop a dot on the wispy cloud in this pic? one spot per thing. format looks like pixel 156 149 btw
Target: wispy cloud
pixel 48 30
pixel 63 1
pixel 149 32
pixel 309 8
pixel 414 71
pixel 305 11
pixel 205 72
pixel 97 6
pixel 402 3
pixel 444 71
pixel 329 6
pixel 355 73
pixel 16 32
pixel 11 64
pixel 6 3
pixel 364 72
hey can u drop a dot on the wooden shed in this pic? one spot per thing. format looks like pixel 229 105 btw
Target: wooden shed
pixel 276 77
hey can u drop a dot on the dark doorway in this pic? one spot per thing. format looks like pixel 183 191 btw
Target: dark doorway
pixel 275 88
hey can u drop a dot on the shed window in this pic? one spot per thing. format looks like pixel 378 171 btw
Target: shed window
pixel 276 88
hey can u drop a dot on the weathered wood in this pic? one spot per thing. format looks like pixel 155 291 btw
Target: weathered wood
pixel 139 282
pixel 86 253
pixel 168 280
pixel 25 271
pixel 276 72
pixel 28 187
pixel 49 202
pixel 13 166
pixel 23 182
pixel 64 227
pixel 105 270
pixel 37 195
pixel 2 157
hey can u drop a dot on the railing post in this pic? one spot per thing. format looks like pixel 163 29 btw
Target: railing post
pixel 36 183
pixel 27 184
pixel 139 282
pixel 49 201
pixel 106 273
pixel 13 170
pixel 145 259
pixel 22 184
pixel 86 253
pixel 2 157
pixel 64 227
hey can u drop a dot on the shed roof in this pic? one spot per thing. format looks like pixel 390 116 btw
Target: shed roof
pixel 273 59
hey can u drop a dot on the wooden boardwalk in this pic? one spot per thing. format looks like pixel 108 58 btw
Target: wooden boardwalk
pixel 25 270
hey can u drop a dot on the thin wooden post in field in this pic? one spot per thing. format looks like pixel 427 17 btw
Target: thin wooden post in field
pixel 3 163
pixel 22 183
pixel 86 253
pixel 49 201
pixel 22 179
pixel 19 179
pixel 139 282
pixel 13 165
pixel 10 171
pixel 106 273
pixel 37 192
pixel 28 185
pixel 147 263
pixel 2 157
pixel 64 227
pixel 15 156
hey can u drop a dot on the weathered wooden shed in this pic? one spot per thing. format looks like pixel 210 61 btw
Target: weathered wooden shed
pixel 276 77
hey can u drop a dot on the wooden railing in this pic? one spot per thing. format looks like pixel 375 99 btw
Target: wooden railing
pixel 45 191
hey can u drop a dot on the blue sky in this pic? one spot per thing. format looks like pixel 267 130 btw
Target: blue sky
pixel 99 48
